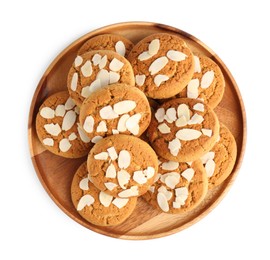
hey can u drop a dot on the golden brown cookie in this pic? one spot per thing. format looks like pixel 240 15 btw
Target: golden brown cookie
pixel 207 84
pixel 179 187
pixel 183 129
pixel 96 69
pixel 118 108
pixel 96 206
pixel 219 162
pixel 122 165
pixel 58 129
pixel 163 65
pixel 112 42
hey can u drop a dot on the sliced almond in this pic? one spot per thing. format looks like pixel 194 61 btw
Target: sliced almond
pixel 187 134
pixel 172 180
pixel 171 114
pixel 169 166
pixel 123 178
pixel 168 119
pixel 157 177
pixel 96 59
pixel 159 115
pixel 149 172
pixel 74 81
pixel 112 153
pixel 69 120
pixel 174 147
pixel 110 185
pixel 207 132
pixel 132 124
pixel 96 138
pixel 116 65
pixel 144 56
pixel 47 112
pixel 153 47
pixel 77 110
pixel 197 68
pixel 124 107
pixel 95 85
pixel 101 156
pixel 158 64
pixel 152 189
pixel 192 88
pixel 121 126
pixel 48 141
pixel 72 137
pixel 196 119
pixel 181 192
pixel 53 129
pixel 207 156
pixel 168 194
pixel 120 203
pixel 86 69
pixel 104 77
pixel 111 171
pixel 115 132
pixel 102 127
pixel 124 159
pixel 78 61
pixel 176 55
pixel 207 79
pixel 210 167
pixel 64 145
pixel 113 77
pixel 181 121
pixel 120 48
pixel 162 202
pixel 86 200
pixel 86 91
pixel 102 63
pixel 69 104
pixel 176 205
pixel 199 107
pixel 82 134
pixel 159 79
pixel 188 174
pixel 105 199
pixel 140 79
pixel 183 110
pixel 88 125
pixel 139 177
pixel 164 129
pixel 84 184
pixel 133 191
pixel 60 110
pixel 218 138
pixel 107 112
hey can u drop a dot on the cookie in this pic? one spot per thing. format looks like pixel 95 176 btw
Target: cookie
pixel 163 65
pixel 58 128
pixel 96 206
pixel 183 129
pixel 219 162
pixel 112 42
pixel 96 69
pixel 179 187
pixel 118 108
pixel 123 166
pixel 207 84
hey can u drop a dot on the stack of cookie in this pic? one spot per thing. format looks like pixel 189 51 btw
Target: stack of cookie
pixel 144 116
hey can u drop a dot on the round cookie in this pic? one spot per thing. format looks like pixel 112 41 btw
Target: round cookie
pixel 183 129
pixel 163 65
pixel 58 128
pixel 112 42
pixel 123 166
pixel 118 108
pixel 207 84
pixel 219 162
pixel 96 206
pixel 179 187
pixel 96 69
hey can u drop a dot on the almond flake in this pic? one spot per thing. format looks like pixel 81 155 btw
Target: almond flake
pixel 159 79
pixel 102 127
pixel 96 59
pixel 199 107
pixel 95 85
pixel 171 114
pixel 207 79
pixel 207 156
pixel 207 132
pixel 53 129
pixel 82 134
pixel 176 55
pixel 152 189
pixel 168 194
pixel 120 203
pixel 181 121
pixel 101 156
pixel 157 177
pixel 78 61
pixel 86 69
pixel 113 77
pixel 133 191
pixel 218 138
pixel 153 47
pixel 176 205
pixel 111 171
pixel 64 145
pixel 162 202
pixel 47 112
pixel 72 137
pixel 196 119
pixel 144 56
pixel 88 125
pixel 112 153
pixel 124 159
pixel 197 65
pixel 104 77
pixel 86 92
pixel 48 141
pixel 69 120
pixel 172 180
pixel 192 88
pixel 86 200
pixel 168 119
pixel 158 65
pixel 188 174
pixel 84 184
pixel 187 134
pixel 174 146
pixel 132 124
pixel 140 79
pixel 210 167
pixel 121 126
pixel 105 199
pixel 103 62
pixel 164 129
pixel 159 115
pixel 181 192
pixel 123 107
pixel 110 185
pixel 115 132
pixel 139 177
pixel 77 110
pixel 120 48
pixel 183 110
pixel 116 65
pixel 107 112
pixel 74 81
pixel 69 104
pixel 123 178
pixel 60 110
pixel 96 138
pixel 149 172
pixel 169 166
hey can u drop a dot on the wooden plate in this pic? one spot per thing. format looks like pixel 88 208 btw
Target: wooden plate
pixel 56 173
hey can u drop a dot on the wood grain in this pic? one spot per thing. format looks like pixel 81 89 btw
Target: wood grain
pixel 56 173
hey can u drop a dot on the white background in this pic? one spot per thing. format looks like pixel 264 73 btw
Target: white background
pixel 34 32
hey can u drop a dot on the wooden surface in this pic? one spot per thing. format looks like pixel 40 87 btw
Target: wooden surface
pixel 56 173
